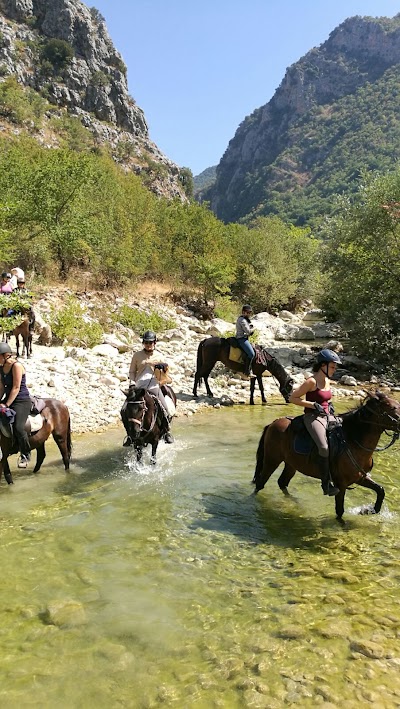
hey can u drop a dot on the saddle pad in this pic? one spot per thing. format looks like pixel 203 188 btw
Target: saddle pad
pixel 236 354
pixel 303 443
pixel 35 423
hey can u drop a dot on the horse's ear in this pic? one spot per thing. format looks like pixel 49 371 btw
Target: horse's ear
pixel 139 393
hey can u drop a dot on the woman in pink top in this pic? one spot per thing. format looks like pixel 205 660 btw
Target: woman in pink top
pixel 318 410
pixel 5 283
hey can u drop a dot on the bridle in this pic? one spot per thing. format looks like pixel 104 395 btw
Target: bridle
pixel 140 421
pixel 395 433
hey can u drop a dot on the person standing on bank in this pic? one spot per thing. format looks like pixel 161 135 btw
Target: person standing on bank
pixel 142 371
pixel 245 328
pixel 14 395
pixel 318 410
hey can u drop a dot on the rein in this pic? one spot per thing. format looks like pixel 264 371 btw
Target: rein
pixel 146 432
pixel 395 434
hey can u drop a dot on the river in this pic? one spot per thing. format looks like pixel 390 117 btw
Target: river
pixel 127 586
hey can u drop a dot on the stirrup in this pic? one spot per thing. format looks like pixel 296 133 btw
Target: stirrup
pixel 22 462
pixel 330 489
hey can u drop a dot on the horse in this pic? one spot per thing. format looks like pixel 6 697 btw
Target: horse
pixel 56 421
pixel 143 420
pixel 25 329
pixel 360 433
pixel 216 349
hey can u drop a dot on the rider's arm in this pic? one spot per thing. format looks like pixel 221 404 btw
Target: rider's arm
pixel 297 394
pixel 133 368
pixel 17 372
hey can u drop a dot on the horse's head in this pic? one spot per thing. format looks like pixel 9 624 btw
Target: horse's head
pixel 383 411
pixel 133 412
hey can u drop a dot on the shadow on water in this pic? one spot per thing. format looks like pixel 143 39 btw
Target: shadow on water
pixel 279 522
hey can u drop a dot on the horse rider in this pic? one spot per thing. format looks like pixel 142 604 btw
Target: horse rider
pixel 318 410
pixel 14 395
pixel 245 328
pixel 146 370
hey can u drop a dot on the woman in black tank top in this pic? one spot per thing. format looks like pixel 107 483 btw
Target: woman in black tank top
pixel 14 394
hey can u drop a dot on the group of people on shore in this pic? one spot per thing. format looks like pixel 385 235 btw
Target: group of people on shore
pixel 13 280
pixel 149 369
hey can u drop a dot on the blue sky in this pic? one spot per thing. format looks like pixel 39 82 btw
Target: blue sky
pixel 197 69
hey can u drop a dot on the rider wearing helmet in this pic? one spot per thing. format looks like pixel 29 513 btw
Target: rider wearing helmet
pixel 245 328
pixel 14 394
pixel 318 410
pixel 148 369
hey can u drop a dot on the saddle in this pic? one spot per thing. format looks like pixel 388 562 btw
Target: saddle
pixel 303 444
pixel 236 353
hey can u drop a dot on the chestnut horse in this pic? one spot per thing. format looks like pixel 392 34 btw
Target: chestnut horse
pixel 216 349
pixel 361 430
pixel 143 422
pixel 56 421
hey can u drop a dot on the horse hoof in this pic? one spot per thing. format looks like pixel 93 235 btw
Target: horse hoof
pixel 152 461
pixel 251 403
pixel 264 403
pixel 367 510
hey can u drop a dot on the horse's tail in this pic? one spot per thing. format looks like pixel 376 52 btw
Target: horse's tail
pixel 279 372
pixel 69 441
pixel 260 456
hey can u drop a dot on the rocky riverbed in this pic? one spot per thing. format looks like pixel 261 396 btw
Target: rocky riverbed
pixel 92 381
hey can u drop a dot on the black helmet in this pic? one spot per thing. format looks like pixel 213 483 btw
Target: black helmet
pixel 248 308
pixel 5 348
pixel 149 336
pixel 328 356
pixel 6 275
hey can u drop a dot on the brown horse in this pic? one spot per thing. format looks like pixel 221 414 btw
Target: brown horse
pixel 25 329
pixel 216 349
pixel 361 430
pixel 143 420
pixel 56 421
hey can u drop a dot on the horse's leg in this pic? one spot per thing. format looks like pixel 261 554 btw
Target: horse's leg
pixel 40 456
pixel 154 447
pixel 17 344
pixel 7 472
pixel 380 494
pixel 196 384
pixel 261 387
pixel 339 504
pixel 205 377
pixel 139 452
pixel 252 389
pixel 285 477
pixel 61 441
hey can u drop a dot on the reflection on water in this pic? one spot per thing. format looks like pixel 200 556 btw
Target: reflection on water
pixel 134 586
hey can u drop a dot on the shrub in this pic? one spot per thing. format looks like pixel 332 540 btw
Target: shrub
pixel 138 321
pixel 69 323
pixel 58 52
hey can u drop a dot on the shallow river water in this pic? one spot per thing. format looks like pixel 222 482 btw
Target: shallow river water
pixel 175 586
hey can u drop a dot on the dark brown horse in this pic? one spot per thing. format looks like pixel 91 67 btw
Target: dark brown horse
pixel 216 349
pixel 56 421
pixel 361 430
pixel 143 420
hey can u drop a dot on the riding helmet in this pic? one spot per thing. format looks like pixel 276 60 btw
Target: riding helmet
pixel 5 348
pixel 149 336
pixel 248 308
pixel 6 275
pixel 328 356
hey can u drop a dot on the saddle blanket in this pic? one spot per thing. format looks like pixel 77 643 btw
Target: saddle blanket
pixel 236 354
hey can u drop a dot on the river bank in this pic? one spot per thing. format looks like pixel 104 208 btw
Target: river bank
pixel 91 382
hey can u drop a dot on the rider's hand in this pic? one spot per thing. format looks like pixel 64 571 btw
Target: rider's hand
pixel 319 408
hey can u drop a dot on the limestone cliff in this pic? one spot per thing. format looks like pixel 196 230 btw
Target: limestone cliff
pixel 92 84
pixel 279 149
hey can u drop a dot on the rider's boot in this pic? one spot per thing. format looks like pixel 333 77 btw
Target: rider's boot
pixel 168 437
pixel 247 366
pixel 328 487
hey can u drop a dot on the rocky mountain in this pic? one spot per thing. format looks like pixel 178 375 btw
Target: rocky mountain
pixel 204 180
pixel 62 50
pixel 335 113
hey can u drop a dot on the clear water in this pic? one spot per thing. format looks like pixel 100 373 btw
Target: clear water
pixel 127 586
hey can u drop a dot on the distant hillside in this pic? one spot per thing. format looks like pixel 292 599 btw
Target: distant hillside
pixel 336 113
pixel 204 180
pixel 59 54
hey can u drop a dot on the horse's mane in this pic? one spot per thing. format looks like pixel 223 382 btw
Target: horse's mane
pixel 353 419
